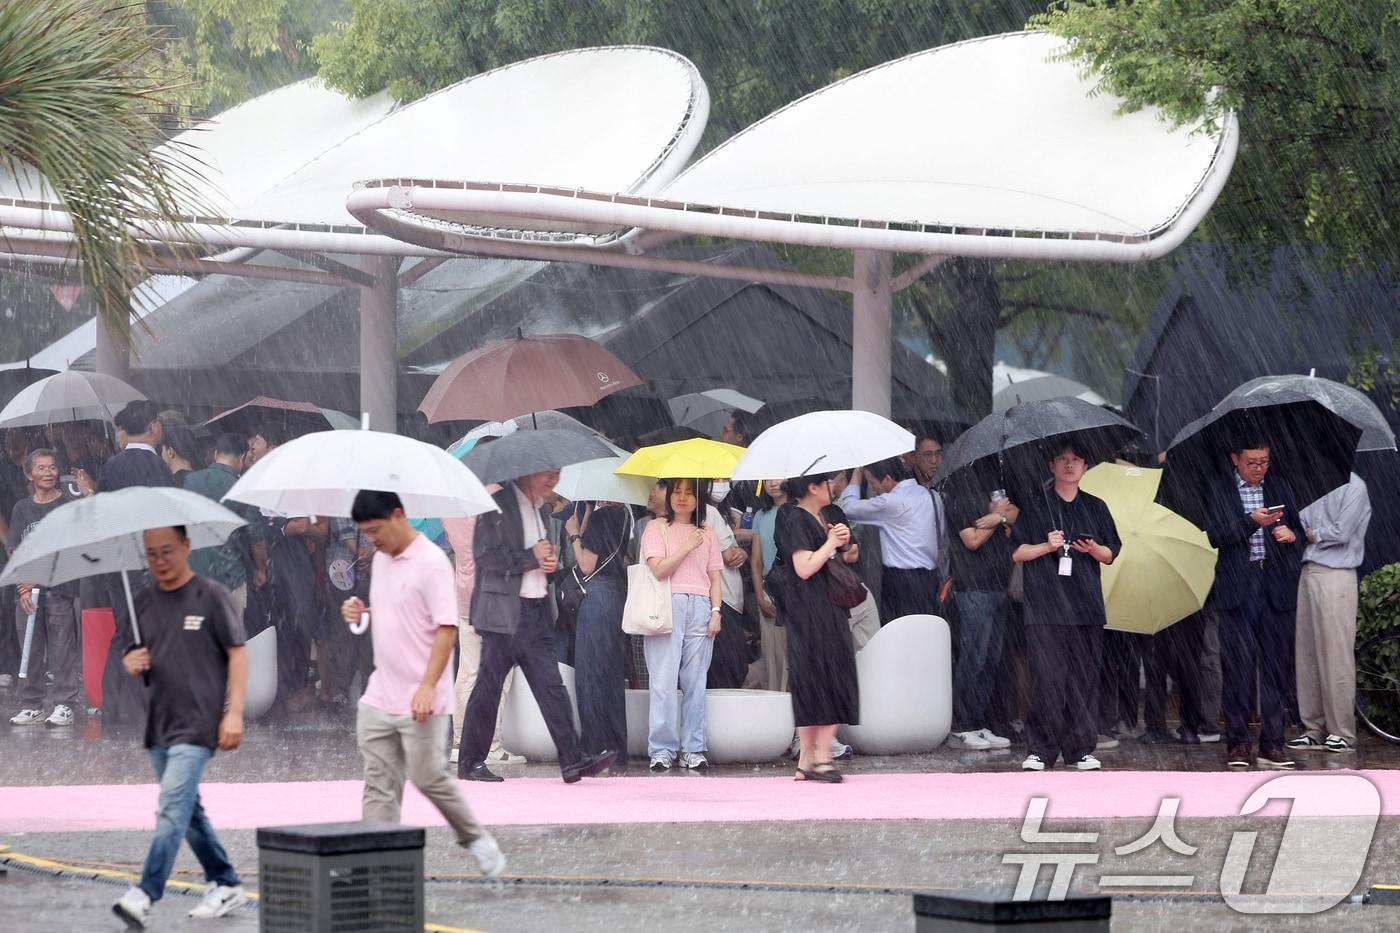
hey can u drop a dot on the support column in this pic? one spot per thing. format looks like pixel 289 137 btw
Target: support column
pixel 379 360
pixel 113 349
pixel 871 332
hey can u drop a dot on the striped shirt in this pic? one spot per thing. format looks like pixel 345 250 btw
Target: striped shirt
pixel 1252 497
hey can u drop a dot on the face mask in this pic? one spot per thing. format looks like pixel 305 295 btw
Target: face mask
pixel 718 491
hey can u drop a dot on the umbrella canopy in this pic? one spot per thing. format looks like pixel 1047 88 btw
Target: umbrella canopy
pixel 1041 388
pixel 526 452
pixel 523 375
pixel 822 442
pixel 599 481
pixel 296 417
pixel 15 376
pixel 1311 446
pixel 542 420
pixel 707 411
pixel 1343 400
pixel 103 533
pixel 1010 450
pixel 698 458
pixel 320 474
pixel 68 396
pixel 1166 567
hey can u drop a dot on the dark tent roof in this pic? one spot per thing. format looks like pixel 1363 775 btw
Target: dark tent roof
pixel 686 334
pixel 1217 327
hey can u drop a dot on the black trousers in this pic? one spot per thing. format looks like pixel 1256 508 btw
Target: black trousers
pixel 1253 634
pixel 1176 653
pixel 730 661
pixel 907 593
pixel 532 648
pixel 1118 680
pixel 1064 662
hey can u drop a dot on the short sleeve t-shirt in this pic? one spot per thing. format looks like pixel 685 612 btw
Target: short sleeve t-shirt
pixel 987 569
pixel 189 632
pixel 606 534
pixel 26 514
pixel 412 594
pixel 692 577
pixel 1052 599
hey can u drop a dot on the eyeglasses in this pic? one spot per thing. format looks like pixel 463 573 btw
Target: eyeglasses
pixel 1257 464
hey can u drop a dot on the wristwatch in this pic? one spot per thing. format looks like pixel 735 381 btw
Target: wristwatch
pixel 573 538
pixel 1003 518
pixel 714 609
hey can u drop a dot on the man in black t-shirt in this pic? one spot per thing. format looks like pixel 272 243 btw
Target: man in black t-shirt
pixel 54 646
pixel 1064 537
pixel 192 649
pixel 980 543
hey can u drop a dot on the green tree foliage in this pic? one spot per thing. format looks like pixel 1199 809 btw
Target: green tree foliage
pixel 237 49
pixel 1316 87
pixel 78 103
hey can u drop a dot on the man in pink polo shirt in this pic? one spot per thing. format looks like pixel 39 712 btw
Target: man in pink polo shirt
pixel 405 713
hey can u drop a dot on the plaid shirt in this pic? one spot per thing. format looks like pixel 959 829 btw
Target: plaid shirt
pixel 1252 498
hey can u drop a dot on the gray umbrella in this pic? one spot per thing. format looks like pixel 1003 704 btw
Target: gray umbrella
pixel 526 452
pixel 1042 388
pixel 103 533
pixel 1350 404
pixel 68 396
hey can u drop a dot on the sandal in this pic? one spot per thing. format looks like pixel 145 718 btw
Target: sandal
pixel 829 776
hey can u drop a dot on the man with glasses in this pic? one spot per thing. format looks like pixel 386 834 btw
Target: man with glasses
pixel 1253 521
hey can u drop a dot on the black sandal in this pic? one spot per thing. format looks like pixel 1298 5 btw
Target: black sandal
pixel 828 776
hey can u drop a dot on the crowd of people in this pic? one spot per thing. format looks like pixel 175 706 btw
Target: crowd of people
pixel 760 575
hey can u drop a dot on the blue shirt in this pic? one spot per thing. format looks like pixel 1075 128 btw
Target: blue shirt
pixel 765 522
pixel 907 519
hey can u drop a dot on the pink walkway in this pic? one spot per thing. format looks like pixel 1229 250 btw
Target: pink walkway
pixel 680 799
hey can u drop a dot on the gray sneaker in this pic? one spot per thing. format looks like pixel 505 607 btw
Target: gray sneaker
pixel 61 716
pixel 694 761
pixel 27 717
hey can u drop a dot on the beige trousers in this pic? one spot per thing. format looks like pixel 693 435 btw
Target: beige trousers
pixel 1325 651
pixel 865 621
pixel 773 646
pixel 395 748
pixel 468 660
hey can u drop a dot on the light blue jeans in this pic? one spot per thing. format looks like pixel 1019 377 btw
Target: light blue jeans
pixel 179 767
pixel 682 654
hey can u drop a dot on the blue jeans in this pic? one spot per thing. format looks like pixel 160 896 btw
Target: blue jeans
pixel 178 767
pixel 981 619
pixel 682 654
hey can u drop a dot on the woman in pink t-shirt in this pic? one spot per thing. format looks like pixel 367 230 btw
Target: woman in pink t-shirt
pixel 689 556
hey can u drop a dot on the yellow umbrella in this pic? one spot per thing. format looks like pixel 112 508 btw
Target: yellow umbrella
pixel 698 457
pixel 1167 565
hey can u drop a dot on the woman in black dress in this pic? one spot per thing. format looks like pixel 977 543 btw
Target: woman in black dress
pixel 821 658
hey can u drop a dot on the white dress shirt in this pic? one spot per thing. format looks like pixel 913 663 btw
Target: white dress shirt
pixel 534 584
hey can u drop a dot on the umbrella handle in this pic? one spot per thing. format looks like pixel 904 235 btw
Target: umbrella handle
pixel 29 636
pixel 360 627
pixel 135 630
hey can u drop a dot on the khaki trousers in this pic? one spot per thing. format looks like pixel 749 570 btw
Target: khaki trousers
pixel 865 621
pixel 395 748
pixel 1325 651
pixel 468 661
pixel 773 646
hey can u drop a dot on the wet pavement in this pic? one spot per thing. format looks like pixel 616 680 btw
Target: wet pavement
pixel 717 876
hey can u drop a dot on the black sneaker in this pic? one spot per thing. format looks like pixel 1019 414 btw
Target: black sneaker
pixel 1305 743
pixel 1239 757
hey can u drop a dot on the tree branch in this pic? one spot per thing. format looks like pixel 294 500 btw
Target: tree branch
pixel 1017 308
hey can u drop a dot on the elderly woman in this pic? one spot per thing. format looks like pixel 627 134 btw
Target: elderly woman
pixel 820 655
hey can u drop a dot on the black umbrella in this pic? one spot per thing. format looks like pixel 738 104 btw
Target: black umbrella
pixel 1310 445
pixel 1351 404
pixel 526 452
pixel 1012 449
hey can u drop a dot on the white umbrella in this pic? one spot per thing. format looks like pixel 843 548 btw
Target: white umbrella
pixel 597 481
pixel 320 474
pixel 707 411
pixel 68 396
pixel 103 534
pixel 822 442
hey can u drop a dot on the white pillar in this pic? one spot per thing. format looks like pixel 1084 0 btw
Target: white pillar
pixel 113 350
pixel 379 361
pixel 871 332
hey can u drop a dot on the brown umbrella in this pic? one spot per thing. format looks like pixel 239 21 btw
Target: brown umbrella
pixel 524 375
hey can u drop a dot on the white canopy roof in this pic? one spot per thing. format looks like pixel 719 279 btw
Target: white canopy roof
pixel 992 139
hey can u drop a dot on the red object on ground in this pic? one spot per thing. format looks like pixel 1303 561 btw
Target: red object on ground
pixel 99 625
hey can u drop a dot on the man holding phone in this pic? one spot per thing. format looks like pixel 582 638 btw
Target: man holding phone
pixel 1252 519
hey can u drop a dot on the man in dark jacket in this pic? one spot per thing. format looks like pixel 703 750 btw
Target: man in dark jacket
pixel 1252 518
pixel 510 611
pixel 137 464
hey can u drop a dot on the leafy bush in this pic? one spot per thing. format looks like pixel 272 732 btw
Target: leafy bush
pixel 1379 608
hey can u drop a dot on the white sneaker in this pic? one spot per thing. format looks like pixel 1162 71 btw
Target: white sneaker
pixel 994 740
pixel 61 716
pixel 694 761
pixel 971 740
pixel 27 717
pixel 134 907
pixel 1033 763
pixel 1088 763
pixel 219 900
pixel 503 757
pixel 840 751
pixel 7 680
pixel 488 856
pixel 661 762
